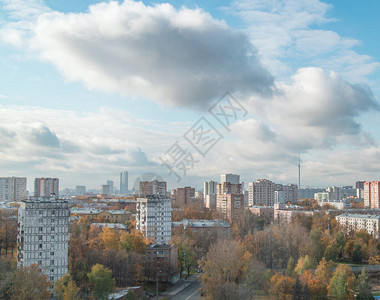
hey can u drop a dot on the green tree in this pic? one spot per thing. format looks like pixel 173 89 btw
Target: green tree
pixel 297 290
pixel 101 281
pixel 342 283
pixel 324 271
pixel 317 248
pixel 59 286
pixel 357 254
pixel 331 252
pixel 303 264
pixel 364 290
pixel 306 292
pixel 290 267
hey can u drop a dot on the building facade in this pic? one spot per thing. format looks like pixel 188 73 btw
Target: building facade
pixel 231 178
pixel 231 206
pixel 184 197
pixel 154 218
pixel 154 187
pixel 263 192
pixel 43 236
pixel 46 187
pixel 209 188
pixel 354 222
pixel 229 188
pixel 162 263
pixel 372 194
pixel 12 188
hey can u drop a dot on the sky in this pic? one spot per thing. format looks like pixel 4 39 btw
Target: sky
pixel 190 90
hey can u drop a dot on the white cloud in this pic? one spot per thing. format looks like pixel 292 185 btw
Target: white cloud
pixel 176 57
pixel 287 36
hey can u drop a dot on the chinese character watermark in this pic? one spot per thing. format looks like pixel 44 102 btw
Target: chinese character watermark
pixel 202 136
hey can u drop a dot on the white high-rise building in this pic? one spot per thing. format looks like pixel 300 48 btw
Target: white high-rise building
pixel 43 236
pixel 154 218
pixel 209 188
pixel 251 195
pixel 231 178
pixel 12 188
pixel 124 182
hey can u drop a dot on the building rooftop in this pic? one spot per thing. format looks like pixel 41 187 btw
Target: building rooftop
pixel 359 216
pixel 111 225
pixel 202 223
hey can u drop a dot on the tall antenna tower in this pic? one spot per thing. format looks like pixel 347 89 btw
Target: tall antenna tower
pixel 299 171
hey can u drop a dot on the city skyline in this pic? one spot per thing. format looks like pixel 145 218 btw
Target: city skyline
pixel 83 114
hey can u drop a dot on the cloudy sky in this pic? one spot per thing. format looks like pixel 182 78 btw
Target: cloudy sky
pixel 89 88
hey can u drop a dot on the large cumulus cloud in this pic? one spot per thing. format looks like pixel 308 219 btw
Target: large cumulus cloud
pixel 177 57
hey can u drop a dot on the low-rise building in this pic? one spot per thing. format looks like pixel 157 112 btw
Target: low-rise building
pixel 221 227
pixel 265 212
pixel 114 226
pixel 162 263
pixel 284 214
pixel 356 222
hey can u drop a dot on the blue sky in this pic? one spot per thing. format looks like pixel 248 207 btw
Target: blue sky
pixel 87 92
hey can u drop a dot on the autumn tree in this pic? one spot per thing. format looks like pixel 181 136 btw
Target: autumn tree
pixel 256 276
pixel 303 264
pixel 29 283
pixel 101 281
pixel 282 286
pixel 223 267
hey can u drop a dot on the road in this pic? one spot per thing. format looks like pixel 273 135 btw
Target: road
pixel 190 292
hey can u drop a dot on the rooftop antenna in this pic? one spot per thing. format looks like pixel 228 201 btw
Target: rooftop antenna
pixel 299 171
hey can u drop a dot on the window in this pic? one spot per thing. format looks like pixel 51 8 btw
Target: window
pixel 52 253
pixel 40 237
pixel 40 246
pixel 41 221
pixel 40 262
pixel 51 278
pixel 52 262
pixel 52 270
pixel 39 228
pixel 53 212
pixel 39 254
pixel 52 229
pixel 40 212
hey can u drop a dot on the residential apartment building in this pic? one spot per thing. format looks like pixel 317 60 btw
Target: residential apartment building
pixel 372 194
pixel 265 212
pixel 12 189
pixel 43 236
pixel 359 185
pixel 230 205
pixel 229 188
pixel 154 218
pixel 162 263
pixel 355 222
pixel 284 214
pixel 209 188
pixel 46 187
pixel 154 187
pixel 308 193
pixel 263 192
pixel 220 227
pixel 184 197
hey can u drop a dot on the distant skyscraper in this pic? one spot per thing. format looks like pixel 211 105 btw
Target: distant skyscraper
pixel 112 186
pixel 124 182
pixel 46 187
pixel 231 178
pixel 263 192
pixel 12 188
pixel 105 189
pixel 43 236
